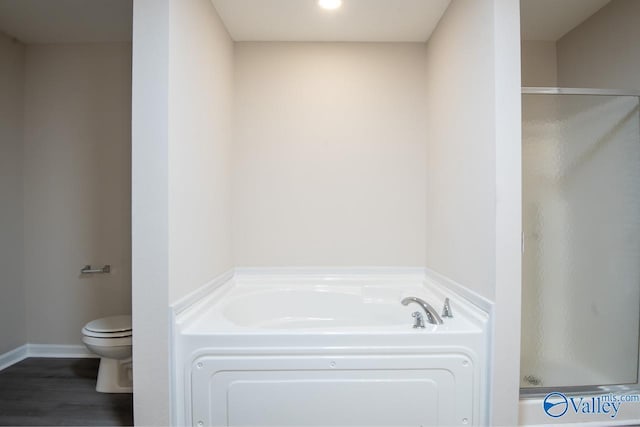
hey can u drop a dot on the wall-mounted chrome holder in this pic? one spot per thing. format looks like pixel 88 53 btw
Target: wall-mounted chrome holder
pixel 87 269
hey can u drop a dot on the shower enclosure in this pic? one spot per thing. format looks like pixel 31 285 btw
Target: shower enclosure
pixel 581 239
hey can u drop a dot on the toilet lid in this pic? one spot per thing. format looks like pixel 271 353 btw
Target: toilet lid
pixel 110 324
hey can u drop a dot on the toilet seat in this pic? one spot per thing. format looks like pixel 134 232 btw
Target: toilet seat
pixel 111 324
pixel 107 335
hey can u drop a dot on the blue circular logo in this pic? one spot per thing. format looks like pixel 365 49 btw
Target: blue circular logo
pixel 555 404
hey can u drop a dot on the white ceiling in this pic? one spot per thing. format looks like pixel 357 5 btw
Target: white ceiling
pixel 355 21
pixel 552 19
pixel 66 21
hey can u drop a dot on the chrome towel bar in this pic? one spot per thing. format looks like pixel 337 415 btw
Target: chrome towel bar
pixel 102 270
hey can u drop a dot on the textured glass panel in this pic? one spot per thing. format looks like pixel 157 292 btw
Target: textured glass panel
pixel 581 221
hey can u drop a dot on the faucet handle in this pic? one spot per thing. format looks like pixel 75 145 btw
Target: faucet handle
pixel 446 310
pixel 419 322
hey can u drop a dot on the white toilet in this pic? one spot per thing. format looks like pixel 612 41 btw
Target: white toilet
pixel 110 338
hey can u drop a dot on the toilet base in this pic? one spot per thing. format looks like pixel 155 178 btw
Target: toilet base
pixel 115 376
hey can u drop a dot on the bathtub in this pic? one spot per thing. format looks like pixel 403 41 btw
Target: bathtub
pixel 299 348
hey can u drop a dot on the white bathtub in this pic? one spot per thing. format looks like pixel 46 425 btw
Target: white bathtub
pixel 302 349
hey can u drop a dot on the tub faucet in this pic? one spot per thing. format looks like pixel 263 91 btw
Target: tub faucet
pixel 432 314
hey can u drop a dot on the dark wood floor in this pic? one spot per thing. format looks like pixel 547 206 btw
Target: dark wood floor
pixel 55 392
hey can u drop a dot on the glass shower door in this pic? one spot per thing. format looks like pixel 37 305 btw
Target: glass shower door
pixel 581 224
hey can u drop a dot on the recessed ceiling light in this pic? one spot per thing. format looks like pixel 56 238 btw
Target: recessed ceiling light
pixel 330 4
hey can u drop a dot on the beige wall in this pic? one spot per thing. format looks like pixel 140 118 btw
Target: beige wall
pixel 539 64
pixel 473 220
pixel 182 97
pixel 149 213
pixel 461 148
pixel 12 296
pixel 329 154
pixel 603 51
pixel 200 110
pixel 76 186
pixel 505 354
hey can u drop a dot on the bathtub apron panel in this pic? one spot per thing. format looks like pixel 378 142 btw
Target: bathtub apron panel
pixel 401 390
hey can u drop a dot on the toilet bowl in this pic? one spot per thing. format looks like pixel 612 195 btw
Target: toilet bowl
pixel 110 338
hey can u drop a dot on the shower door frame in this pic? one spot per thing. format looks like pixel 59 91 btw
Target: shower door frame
pixel 537 392
pixel 530 90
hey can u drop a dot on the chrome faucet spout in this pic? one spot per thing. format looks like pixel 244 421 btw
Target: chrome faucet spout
pixel 432 315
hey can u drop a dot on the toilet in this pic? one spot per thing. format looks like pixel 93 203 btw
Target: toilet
pixel 110 338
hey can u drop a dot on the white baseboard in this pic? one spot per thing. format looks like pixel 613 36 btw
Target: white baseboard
pixel 58 350
pixel 43 350
pixel 12 357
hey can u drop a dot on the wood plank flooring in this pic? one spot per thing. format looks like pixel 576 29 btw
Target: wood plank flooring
pixel 56 392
